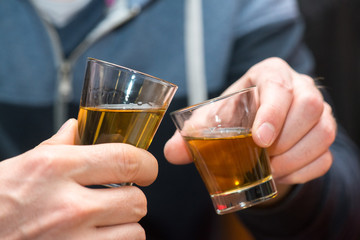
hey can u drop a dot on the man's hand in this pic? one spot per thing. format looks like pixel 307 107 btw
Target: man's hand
pixel 292 121
pixel 43 193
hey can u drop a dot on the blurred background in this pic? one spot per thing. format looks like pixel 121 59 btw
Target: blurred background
pixel 333 36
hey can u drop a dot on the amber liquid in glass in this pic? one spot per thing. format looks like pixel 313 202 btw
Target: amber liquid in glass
pixel 115 123
pixel 229 160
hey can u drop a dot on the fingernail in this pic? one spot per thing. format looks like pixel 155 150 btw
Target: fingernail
pixel 266 134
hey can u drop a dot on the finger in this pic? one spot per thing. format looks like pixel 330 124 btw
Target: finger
pixel 116 206
pixel 130 231
pixel 176 151
pixel 309 172
pixel 79 209
pixel 65 135
pixel 272 79
pixel 98 164
pixel 305 112
pixel 117 163
pixel 304 152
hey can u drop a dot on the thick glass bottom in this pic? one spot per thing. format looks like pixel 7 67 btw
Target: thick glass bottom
pixel 243 198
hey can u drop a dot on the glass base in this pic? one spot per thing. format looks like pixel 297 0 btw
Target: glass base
pixel 243 198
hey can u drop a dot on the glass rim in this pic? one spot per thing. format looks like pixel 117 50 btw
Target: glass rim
pixel 212 100
pixel 91 59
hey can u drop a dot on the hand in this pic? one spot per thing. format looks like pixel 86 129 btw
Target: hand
pixel 43 193
pixel 292 121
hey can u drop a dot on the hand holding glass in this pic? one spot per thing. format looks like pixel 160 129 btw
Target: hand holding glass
pixel 121 105
pixel 235 170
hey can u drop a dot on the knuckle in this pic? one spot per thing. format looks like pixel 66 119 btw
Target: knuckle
pixel 281 82
pixel 276 61
pixel 141 235
pixel 70 211
pixel 328 129
pixel 137 232
pixel 42 160
pixel 276 64
pixel 127 162
pixel 140 208
pixel 323 165
pixel 273 71
pixel 309 80
pixel 313 102
pixel 74 211
pixel 327 161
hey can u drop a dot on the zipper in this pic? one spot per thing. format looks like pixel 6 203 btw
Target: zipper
pixel 117 16
pixel 64 92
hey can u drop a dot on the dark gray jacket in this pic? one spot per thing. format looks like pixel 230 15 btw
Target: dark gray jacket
pixel 41 76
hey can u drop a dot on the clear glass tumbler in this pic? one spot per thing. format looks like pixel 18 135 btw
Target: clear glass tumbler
pixel 121 105
pixel 218 134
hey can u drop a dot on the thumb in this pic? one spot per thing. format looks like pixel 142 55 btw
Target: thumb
pixel 175 150
pixel 67 134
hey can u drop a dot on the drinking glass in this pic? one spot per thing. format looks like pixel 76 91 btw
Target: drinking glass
pixel 121 105
pixel 218 134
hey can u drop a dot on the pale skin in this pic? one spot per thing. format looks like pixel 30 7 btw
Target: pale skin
pixel 293 121
pixel 43 193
